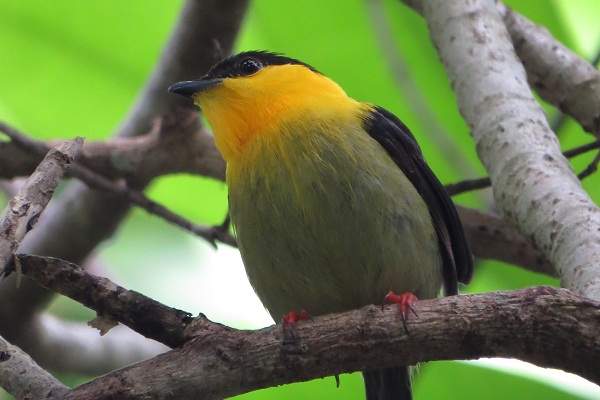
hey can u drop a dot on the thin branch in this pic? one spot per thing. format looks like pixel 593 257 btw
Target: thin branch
pixel 482 183
pixel 24 209
pixel 591 168
pixel 142 314
pixel 468 185
pixel 546 326
pixel 97 181
pixel 577 151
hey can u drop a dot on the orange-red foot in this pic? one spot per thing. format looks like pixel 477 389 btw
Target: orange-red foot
pixel 405 301
pixel 291 320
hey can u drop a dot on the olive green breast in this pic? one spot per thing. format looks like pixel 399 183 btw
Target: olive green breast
pixel 328 222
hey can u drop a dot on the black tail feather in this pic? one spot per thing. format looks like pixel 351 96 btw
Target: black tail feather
pixel 388 384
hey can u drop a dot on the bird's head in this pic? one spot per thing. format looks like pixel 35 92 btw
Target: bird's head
pixel 255 93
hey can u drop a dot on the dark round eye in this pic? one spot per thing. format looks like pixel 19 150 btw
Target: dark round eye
pixel 249 66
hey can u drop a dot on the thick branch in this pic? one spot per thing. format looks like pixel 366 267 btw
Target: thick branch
pixel 546 326
pixel 534 186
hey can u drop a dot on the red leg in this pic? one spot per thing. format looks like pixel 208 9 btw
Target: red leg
pixel 290 320
pixel 405 302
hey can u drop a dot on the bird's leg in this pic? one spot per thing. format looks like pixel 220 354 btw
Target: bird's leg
pixel 291 320
pixel 405 301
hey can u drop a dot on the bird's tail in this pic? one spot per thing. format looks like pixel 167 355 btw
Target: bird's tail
pixel 388 384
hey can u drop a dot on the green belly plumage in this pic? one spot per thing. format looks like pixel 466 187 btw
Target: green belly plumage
pixel 328 224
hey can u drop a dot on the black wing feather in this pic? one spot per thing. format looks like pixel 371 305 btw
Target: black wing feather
pixel 398 141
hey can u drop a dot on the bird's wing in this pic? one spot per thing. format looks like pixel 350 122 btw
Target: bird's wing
pixel 398 141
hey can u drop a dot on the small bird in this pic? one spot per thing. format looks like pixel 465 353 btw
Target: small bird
pixel 331 199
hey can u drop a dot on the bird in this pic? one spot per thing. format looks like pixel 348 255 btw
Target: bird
pixel 331 199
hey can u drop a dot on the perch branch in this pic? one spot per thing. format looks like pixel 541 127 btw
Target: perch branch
pixel 543 325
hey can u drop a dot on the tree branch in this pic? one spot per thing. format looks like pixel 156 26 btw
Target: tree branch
pixel 546 326
pixel 139 155
pixel 481 183
pixel 23 378
pixel 558 75
pixel 534 186
pixel 176 143
pixel 23 210
pixel 111 301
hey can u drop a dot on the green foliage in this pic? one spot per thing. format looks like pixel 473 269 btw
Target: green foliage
pixel 74 68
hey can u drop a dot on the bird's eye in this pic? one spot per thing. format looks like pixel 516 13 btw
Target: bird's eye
pixel 249 66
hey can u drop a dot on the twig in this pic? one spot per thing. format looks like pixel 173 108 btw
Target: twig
pixel 582 149
pixel 468 185
pixel 590 169
pixel 482 183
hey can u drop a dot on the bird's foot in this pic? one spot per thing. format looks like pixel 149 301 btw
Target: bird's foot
pixel 291 320
pixel 405 301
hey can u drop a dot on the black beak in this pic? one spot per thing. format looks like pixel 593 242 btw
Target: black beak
pixel 189 88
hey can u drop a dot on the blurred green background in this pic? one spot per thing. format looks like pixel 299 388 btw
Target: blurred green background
pixel 74 68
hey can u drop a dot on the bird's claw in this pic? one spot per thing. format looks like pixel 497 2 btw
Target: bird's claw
pixel 291 319
pixel 405 301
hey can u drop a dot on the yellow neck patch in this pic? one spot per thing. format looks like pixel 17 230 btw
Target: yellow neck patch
pixel 242 108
